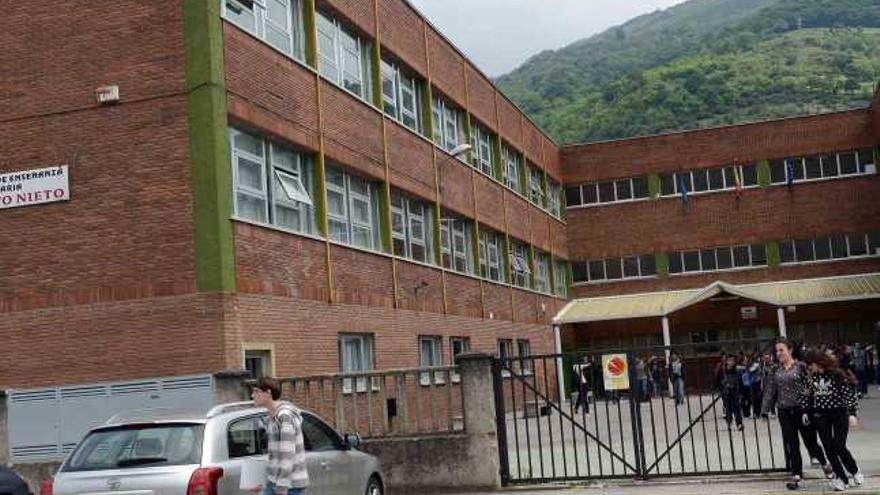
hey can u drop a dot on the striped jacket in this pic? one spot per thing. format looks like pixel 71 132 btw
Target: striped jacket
pixel 287 453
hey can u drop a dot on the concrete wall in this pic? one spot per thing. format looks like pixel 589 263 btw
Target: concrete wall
pixel 433 464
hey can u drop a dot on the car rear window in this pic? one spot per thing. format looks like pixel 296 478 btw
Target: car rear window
pixel 138 446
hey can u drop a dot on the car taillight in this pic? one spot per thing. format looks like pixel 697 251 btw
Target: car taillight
pixel 203 481
pixel 47 488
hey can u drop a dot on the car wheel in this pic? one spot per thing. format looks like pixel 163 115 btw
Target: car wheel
pixel 374 487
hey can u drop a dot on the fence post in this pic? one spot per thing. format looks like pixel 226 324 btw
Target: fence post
pixel 229 386
pixel 480 422
pixel 4 430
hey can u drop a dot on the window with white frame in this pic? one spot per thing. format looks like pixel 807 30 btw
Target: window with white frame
pixel 412 230
pixel 520 270
pixel 711 179
pixel 614 269
pixel 401 96
pixel 523 350
pixel 456 244
pixel 542 272
pixel 483 154
pixel 839 164
pixel 430 355
pixel 560 278
pixel 832 247
pixel 717 259
pixel 536 186
pixel 512 167
pixel 458 345
pixel 355 356
pixel 491 249
pixel 612 191
pixel 505 352
pixel 448 124
pixel 554 205
pixel 277 22
pixel 344 57
pixel 352 209
pixel 272 184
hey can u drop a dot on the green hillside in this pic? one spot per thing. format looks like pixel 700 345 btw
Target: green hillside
pixel 705 63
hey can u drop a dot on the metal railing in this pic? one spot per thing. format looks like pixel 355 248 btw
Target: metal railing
pixel 400 402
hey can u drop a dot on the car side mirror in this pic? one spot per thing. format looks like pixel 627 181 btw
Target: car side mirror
pixel 351 440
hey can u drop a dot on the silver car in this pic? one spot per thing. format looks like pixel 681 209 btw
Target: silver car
pixel 174 452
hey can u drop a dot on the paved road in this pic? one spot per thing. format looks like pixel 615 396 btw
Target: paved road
pixel 598 445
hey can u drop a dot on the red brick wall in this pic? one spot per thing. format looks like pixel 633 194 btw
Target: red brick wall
pixel 352 131
pixel 718 146
pixel 532 143
pixel 403 32
pixel 285 106
pixel 131 201
pixel 359 14
pixel 559 237
pixel 481 97
pixel 875 115
pixel 361 278
pixel 447 68
pixel 552 163
pixel 264 263
pixel 456 188
pixel 540 229
pixel 719 219
pixel 411 161
pixel 305 334
pixel 518 222
pixel 113 341
pixel 489 202
pixel 510 125
pixel 497 302
pixel 419 288
pixel 463 296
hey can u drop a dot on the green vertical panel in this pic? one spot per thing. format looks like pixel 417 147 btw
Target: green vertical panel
pixel 499 160
pixel 563 213
pixel 532 262
pixel 569 279
pixel 654 185
pixel 475 244
pixel 427 114
pixel 661 260
pixel 209 146
pixel 467 138
pixel 310 25
pixel 523 175
pixel 552 274
pixel 773 254
pixel 763 173
pixel 376 60
pixel 384 216
pixel 506 257
pixel 546 189
pixel 877 155
pixel 321 194
pixel 437 237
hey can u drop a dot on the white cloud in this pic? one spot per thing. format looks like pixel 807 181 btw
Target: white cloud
pixel 499 35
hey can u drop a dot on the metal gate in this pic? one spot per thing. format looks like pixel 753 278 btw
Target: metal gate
pixel 641 431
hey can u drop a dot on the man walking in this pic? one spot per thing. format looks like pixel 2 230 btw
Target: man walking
pixel 286 472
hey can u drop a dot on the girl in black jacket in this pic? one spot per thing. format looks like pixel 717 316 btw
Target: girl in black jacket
pixel 831 401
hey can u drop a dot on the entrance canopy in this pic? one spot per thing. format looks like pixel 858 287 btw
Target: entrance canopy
pixel 783 293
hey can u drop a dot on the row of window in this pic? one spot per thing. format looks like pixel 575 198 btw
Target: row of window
pixel 614 269
pixel 723 178
pixel 274 185
pixel 823 166
pixel 829 247
pixel 356 353
pixel 345 59
pixel 720 258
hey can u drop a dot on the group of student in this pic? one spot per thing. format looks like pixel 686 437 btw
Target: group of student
pixel 810 396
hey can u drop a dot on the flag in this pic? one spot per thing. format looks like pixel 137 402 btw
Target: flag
pixel 789 172
pixel 683 189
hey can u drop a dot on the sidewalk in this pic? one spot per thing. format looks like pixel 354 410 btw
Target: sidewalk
pixel 718 485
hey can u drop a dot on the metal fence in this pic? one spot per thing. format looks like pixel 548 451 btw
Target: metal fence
pixel 403 402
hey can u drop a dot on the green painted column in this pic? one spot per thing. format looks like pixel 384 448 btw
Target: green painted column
pixel 321 194
pixel 654 185
pixel 427 114
pixel 438 256
pixel 475 246
pixel 385 216
pixel 661 262
pixel 209 146
pixel 506 258
pixel 533 261
pixel 310 25
pixel 763 167
pixel 376 60
pixel 773 258
pixel 499 160
pixel 524 175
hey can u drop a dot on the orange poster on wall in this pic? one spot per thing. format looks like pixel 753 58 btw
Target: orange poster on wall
pixel 616 371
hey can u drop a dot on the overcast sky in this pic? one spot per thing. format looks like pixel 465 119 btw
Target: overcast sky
pixel 499 35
